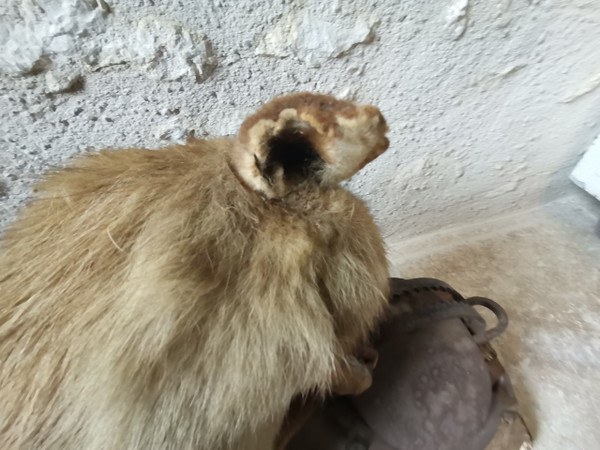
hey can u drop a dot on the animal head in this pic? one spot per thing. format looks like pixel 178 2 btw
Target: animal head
pixel 307 138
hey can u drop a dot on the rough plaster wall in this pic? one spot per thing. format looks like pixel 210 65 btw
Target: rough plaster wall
pixel 489 103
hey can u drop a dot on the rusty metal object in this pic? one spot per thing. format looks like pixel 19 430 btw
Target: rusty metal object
pixel 438 384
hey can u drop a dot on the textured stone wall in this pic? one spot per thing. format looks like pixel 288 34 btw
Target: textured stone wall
pixel 489 103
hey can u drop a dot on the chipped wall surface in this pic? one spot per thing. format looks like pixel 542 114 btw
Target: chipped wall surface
pixel 489 103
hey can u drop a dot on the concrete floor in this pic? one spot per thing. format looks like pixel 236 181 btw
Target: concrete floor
pixel 543 267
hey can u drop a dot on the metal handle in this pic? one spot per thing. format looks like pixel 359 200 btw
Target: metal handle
pixel 480 334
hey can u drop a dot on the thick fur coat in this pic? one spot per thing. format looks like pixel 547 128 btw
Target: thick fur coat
pixel 181 298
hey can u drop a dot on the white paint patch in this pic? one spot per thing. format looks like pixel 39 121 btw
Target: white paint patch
pixel 170 51
pixel 49 31
pixel 457 18
pixel 75 36
pixel 347 93
pixel 313 40
pixel 586 174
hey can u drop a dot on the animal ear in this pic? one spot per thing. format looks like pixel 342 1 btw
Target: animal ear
pixel 308 138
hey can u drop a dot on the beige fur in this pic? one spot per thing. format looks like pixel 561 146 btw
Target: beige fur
pixel 181 298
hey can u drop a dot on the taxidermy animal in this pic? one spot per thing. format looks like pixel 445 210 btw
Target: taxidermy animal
pixel 183 298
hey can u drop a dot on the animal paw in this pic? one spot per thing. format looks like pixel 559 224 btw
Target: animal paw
pixel 354 374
